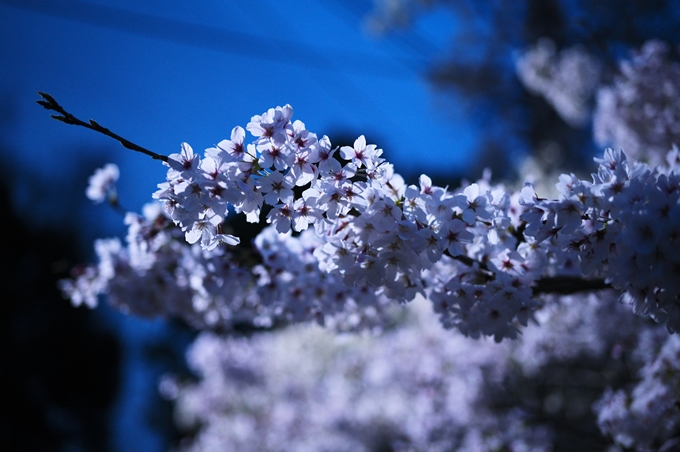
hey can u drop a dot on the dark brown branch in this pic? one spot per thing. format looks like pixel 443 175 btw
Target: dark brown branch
pixel 563 285
pixel 566 285
pixel 470 262
pixel 51 104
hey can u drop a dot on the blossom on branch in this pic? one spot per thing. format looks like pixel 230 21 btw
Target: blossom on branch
pixel 481 253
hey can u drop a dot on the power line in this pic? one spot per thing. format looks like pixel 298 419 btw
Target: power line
pixel 218 39
pixel 417 45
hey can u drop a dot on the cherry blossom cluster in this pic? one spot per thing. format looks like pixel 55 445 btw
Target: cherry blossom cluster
pixel 375 232
pixel 640 113
pixel 480 253
pixel 623 225
pixel 416 387
pixel 373 238
pixel 102 184
pixel 646 415
pixel 637 112
pixel 566 79
pixel 159 273
pixel 348 240
pixel 413 388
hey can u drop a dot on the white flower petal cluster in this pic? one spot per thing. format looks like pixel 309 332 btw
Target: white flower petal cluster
pixel 102 184
pixel 348 240
pixel 374 234
pixel 413 388
pixel 623 225
pixel 480 253
pixel 159 273
pixel 566 79
pixel 640 112
pixel 648 414
pixel 416 387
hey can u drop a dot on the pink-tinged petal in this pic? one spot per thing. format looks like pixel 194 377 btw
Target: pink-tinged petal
pixel 360 143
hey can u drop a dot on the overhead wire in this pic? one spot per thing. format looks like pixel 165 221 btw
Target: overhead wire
pixel 219 39
pixel 420 49
pixel 252 45
pixel 337 84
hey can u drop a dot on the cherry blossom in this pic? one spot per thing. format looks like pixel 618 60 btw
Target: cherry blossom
pixel 589 273
pixel 102 184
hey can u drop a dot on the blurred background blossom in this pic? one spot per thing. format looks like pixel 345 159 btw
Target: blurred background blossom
pixel 445 87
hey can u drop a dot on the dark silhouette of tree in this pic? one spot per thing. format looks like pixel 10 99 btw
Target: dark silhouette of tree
pixel 60 367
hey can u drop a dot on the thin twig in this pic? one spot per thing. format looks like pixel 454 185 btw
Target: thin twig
pixel 51 104
pixel 563 285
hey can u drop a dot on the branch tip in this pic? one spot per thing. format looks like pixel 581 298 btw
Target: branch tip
pixel 51 104
pixel 47 97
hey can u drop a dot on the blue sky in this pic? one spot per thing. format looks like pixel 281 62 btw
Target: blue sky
pixel 161 72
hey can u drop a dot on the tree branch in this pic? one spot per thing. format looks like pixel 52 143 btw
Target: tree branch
pixel 563 285
pixel 566 285
pixel 51 104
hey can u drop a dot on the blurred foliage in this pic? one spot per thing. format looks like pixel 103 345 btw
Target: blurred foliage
pixel 479 65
